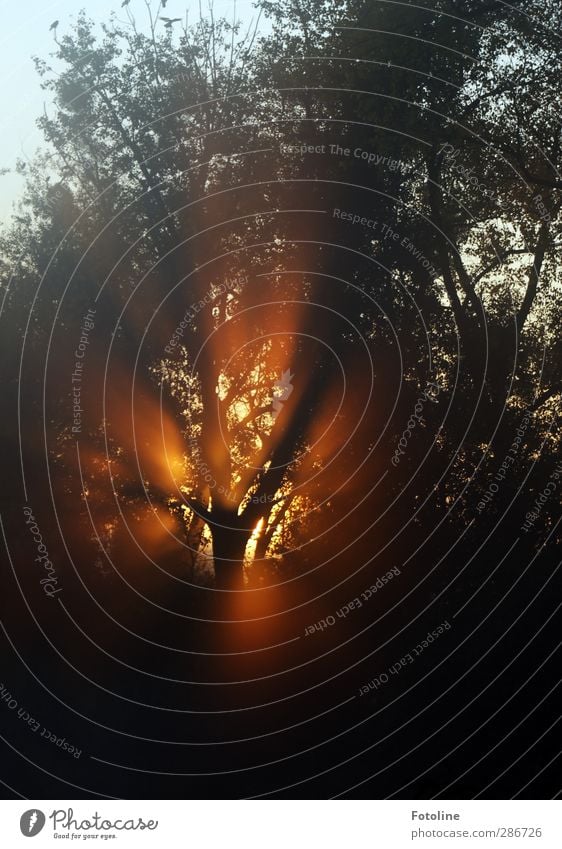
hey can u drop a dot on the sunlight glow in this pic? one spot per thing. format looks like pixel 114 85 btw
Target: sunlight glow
pixel 253 541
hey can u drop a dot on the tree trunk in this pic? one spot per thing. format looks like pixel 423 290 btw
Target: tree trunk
pixel 229 545
pixel 193 536
pixel 262 545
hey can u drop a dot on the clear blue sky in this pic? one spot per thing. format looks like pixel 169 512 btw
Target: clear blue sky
pixel 25 33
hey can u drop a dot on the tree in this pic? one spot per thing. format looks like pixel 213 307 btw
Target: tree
pixel 195 194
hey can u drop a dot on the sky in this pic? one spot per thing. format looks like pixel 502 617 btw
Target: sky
pixel 25 33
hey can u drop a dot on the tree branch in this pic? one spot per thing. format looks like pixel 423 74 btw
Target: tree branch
pixel 546 396
pixel 433 163
pixel 499 261
pixel 534 275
